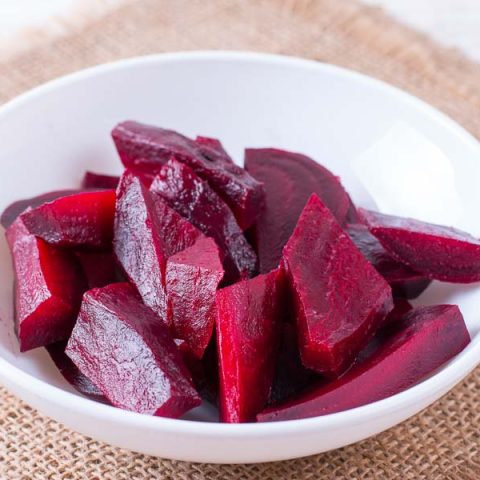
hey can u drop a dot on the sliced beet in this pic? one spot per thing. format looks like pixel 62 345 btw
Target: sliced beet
pixel 147 148
pixel 99 180
pixel 100 268
pixel 147 232
pixel 404 281
pixel 15 209
pixel 422 341
pixel 340 299
pixel 193 276
pixel 72 374
pixel 289 179
pixel 291 377
pixel 248 321
pixel 81 220
pixel 129 355
pixel 437 252
pixel 193 198
pixel 49 286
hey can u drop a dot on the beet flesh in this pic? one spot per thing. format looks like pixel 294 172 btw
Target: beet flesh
pixel 248 322
pixel 10 214
pixel 100 180
pixel 100 268
pixel 437 252
pixel 289 179
pixel 82 220
pixel 147 148
pixel 422 341
pixel 120 344
pixel 340 299
pixel 49 284
pixel 213 150
pixel 193 276
pixel 193 198
pixel 72 374
pixel 146 233
pixel 404 281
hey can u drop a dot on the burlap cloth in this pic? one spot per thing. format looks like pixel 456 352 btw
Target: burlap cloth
pixel 441 442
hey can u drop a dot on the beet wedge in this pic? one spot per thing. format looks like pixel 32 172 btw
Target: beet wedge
pixel 193 198
pixel 11 213
pixel 340 299
pixel 422 341
pixel 49 284
pixel 437 252
pixel 72 374
pixel 83 220
pixel 99 180
pixel 193 276
pixel 147 148
pixel 129 355
pixel 147 232
pixel 289 179
pixel 213 150
pixel 249 314
pixel 404 281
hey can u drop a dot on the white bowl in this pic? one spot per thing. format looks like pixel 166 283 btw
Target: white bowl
pixel 50 135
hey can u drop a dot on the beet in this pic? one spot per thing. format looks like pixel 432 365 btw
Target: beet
pixel 193 276
pixel 289 180
pixel 99 180
pixel 16 208
pixel 121 346
pixel 193 198
pixel 291 376
pixel 81 220
pixel 340 299
pixel 437 252
pixel 147 232
pixel 422 341
pixel 49 286
pixel 100 268
pixel 72 374
pixel 404 281
pixel 248 321
pixel 147 148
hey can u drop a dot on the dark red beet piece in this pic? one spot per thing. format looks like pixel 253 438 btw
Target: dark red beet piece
pixel 129 355
pixel 404 281
pixel 193 198
pixel 147 232
pixel 291 376
pixel 82 220
pixel 193 276
pixel 147 148
pixel 99 180
pixel 72 374
pixel 340 299
pixel 100 268
pixel 422 341
pixel 248 321
pixel 49 287
pixel 10 214
pixel 437 252
pixel 289 179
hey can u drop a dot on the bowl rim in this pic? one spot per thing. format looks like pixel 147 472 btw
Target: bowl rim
pixel 446 378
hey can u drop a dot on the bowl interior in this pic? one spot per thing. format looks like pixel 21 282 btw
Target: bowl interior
pixel 51 136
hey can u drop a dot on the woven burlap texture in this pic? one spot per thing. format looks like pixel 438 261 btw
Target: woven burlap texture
pixel 443 441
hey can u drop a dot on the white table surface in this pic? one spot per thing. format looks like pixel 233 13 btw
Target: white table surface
pixel 452 22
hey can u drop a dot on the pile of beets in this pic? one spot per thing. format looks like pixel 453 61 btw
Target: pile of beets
pixel 262 289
